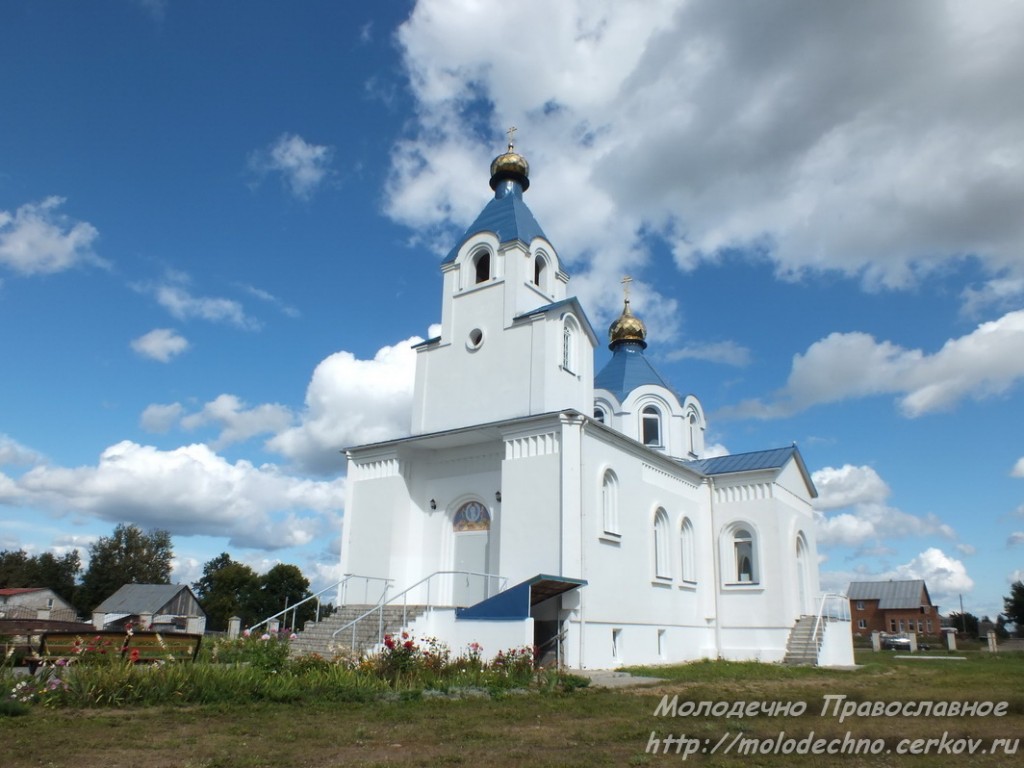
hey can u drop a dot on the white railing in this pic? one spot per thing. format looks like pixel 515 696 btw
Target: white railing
pixel 831 607
pixel 434 585
pixel 340 586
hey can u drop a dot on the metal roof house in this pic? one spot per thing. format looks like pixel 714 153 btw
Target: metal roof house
pixel 895 607
pixel 160 607
pixel 35 603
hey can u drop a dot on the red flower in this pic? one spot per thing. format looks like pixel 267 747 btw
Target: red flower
pixel 408 645
pixel 389 642
pixel 135 655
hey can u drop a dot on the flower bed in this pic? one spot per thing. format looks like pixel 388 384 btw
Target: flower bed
pixel 258 668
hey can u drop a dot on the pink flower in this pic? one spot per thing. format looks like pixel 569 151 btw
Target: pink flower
pixel 264 636
pixel 246 633
pixel 293 636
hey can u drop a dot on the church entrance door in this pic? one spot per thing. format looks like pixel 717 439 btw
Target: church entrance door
pixel 472 528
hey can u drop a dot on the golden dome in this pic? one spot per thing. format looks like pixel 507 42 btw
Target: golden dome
pixel 628 327
pixel 510 165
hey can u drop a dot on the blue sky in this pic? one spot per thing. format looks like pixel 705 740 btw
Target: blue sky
pixel 221 226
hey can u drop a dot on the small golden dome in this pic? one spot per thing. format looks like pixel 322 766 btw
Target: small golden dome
pixel 628 327
pixel 510 165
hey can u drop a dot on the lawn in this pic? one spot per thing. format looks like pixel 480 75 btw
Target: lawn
pixel 582 727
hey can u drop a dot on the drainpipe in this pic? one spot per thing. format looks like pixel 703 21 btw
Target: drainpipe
pixel 583 624
pixel 716 560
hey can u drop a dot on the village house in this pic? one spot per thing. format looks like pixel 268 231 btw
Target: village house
pixel 892 607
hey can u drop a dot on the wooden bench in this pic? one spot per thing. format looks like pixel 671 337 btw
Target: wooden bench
pixel 139 647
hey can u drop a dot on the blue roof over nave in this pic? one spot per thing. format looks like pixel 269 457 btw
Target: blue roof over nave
pixel 627 370
pixel 506 216
pixel 774 458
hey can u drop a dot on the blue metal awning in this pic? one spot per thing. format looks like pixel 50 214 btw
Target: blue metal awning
pixel 514 603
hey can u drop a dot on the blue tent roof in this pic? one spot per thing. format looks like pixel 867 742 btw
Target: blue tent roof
pixel 627 370
pixel 506 216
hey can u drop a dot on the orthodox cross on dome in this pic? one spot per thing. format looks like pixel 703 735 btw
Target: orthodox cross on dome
pixel 625 286
pixel 511 132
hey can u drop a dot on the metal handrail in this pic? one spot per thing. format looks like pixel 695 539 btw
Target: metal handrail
pixel 404 594
pixel 844 615
pixel 338 585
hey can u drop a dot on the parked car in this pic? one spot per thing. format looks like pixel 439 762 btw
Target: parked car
pixel 896 643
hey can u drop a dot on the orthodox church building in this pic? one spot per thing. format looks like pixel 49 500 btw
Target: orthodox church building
pixel 538 503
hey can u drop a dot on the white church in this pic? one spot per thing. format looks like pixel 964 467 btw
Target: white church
pixel 538 503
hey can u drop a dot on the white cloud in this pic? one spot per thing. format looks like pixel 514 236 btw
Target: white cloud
pixel 967 549
pixel 238 421
pixel 183 305
pixel 984 363
pixel 189 491
pixel 1001 293
pixel 351 401
pixel 945 576
pixel 1018 468
pixel 13 452
pixel 848 485
pixel 868 521
pixel 726 352
pixel 186 570
pixel 160 417
pixel 713 127
pixel 36 239
pixel 303 166
pixel 1015 538
pixel 160 344
pixel 262 295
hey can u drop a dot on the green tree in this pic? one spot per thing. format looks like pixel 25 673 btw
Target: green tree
pixel 19 569
pixel 283 586
pixel 14 569
pixel 228 588
pixel 128 556
pixel 965 623
pixel 1013 606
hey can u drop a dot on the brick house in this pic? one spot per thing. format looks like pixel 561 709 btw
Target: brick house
pixel 893 607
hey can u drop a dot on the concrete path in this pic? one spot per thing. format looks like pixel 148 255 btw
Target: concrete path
pixel 610 678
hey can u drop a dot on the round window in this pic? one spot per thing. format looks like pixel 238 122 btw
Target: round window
pixel 476 338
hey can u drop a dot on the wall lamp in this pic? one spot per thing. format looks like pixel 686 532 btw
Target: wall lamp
pixel 497 496
pixel 433 504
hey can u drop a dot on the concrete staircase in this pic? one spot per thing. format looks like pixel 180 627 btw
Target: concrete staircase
pixel 316 637
pixel 804 642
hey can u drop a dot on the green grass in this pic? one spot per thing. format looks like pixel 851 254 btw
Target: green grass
pixel 589 727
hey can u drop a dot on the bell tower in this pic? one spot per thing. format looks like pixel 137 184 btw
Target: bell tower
pixel 512 344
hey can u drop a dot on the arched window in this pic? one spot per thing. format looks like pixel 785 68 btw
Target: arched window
pixel 650 423
pixel 482 267
pixel 687 551
pixel 570 332
pixel 539 265
pixel 662 562
pixel 694 428
pixel 610 503
pixel 744 556
pixel 599 415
